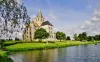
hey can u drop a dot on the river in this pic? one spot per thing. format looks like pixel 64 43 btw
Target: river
pixel 81 53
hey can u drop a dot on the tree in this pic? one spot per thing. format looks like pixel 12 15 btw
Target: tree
pixel 60 36
pixel 82 36
pixel 90 38
pixel 76 37
pixel 41 34
pixel 68 38
pixel 13 16
pixel 97 37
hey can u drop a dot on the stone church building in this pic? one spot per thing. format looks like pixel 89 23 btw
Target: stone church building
pixel 36 23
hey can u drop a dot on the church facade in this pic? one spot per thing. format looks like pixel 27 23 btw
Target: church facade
pixel 36 23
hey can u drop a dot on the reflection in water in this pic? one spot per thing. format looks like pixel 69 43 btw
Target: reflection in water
pixel 36 56
pixel 5 59
pixel 82 53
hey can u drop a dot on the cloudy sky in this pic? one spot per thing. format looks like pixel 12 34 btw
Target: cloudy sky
pixel 70 16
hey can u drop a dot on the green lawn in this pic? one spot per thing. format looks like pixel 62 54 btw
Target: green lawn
pixel 38 46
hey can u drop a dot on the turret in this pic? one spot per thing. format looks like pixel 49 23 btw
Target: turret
pixel 39 19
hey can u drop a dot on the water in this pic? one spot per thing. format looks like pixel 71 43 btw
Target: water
pixel 82 53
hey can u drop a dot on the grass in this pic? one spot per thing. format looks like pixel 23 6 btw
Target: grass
pixel 3 53
pixel 4 57
pixel 38 46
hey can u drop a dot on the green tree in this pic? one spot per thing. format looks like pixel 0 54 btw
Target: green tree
pixel 76 37
pixel 90 38
pixel 97 37
pixel 60 36
pixel 82 36
pixel 68 38
pixel 41 34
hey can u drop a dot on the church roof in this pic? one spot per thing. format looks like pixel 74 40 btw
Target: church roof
pixel 35 24
pixel 28 26
pixel 40 14
pixel 46 23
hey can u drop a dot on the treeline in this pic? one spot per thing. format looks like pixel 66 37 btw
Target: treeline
pixel 78 37
pixel 84 37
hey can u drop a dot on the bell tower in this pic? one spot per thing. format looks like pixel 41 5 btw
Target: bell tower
pixel 39 18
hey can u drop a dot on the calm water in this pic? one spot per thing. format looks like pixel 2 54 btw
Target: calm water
pixel 82 53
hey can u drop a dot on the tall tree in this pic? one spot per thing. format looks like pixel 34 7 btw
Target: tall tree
pixel 60 36
pixel 13 16
pixel 41 34
pixel 76 37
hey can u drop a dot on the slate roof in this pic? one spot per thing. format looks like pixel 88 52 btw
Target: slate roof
pixel 46 23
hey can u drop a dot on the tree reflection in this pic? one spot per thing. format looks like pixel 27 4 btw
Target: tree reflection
pixel 6 59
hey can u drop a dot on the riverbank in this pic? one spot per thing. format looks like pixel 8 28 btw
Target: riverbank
pixel 40 46
pixel 3 53
pixel 4 57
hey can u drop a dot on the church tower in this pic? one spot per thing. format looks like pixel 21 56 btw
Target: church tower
pixel 38 22
pixel 39 19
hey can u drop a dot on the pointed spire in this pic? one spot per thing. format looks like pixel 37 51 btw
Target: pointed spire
pixel 40 14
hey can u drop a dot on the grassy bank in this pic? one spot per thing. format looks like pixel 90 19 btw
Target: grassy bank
pixel 3 53
pixel 4 57
pixel 39 46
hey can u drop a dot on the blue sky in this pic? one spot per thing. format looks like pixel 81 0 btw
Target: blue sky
pixel 65 15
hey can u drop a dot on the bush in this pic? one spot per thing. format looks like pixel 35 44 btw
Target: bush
pixel 2 41
pixel 17 39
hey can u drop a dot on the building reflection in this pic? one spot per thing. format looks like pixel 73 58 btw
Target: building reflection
pixel 49 55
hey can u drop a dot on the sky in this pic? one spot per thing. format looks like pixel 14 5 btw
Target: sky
pixel 69 16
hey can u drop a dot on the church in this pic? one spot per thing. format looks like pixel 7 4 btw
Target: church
pixel 36 23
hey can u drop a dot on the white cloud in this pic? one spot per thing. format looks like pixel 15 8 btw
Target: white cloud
pixel 92 26
pixel 97 12
pixel 96 32
pixel 88 22
pixel 95 19
pixel 82 26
